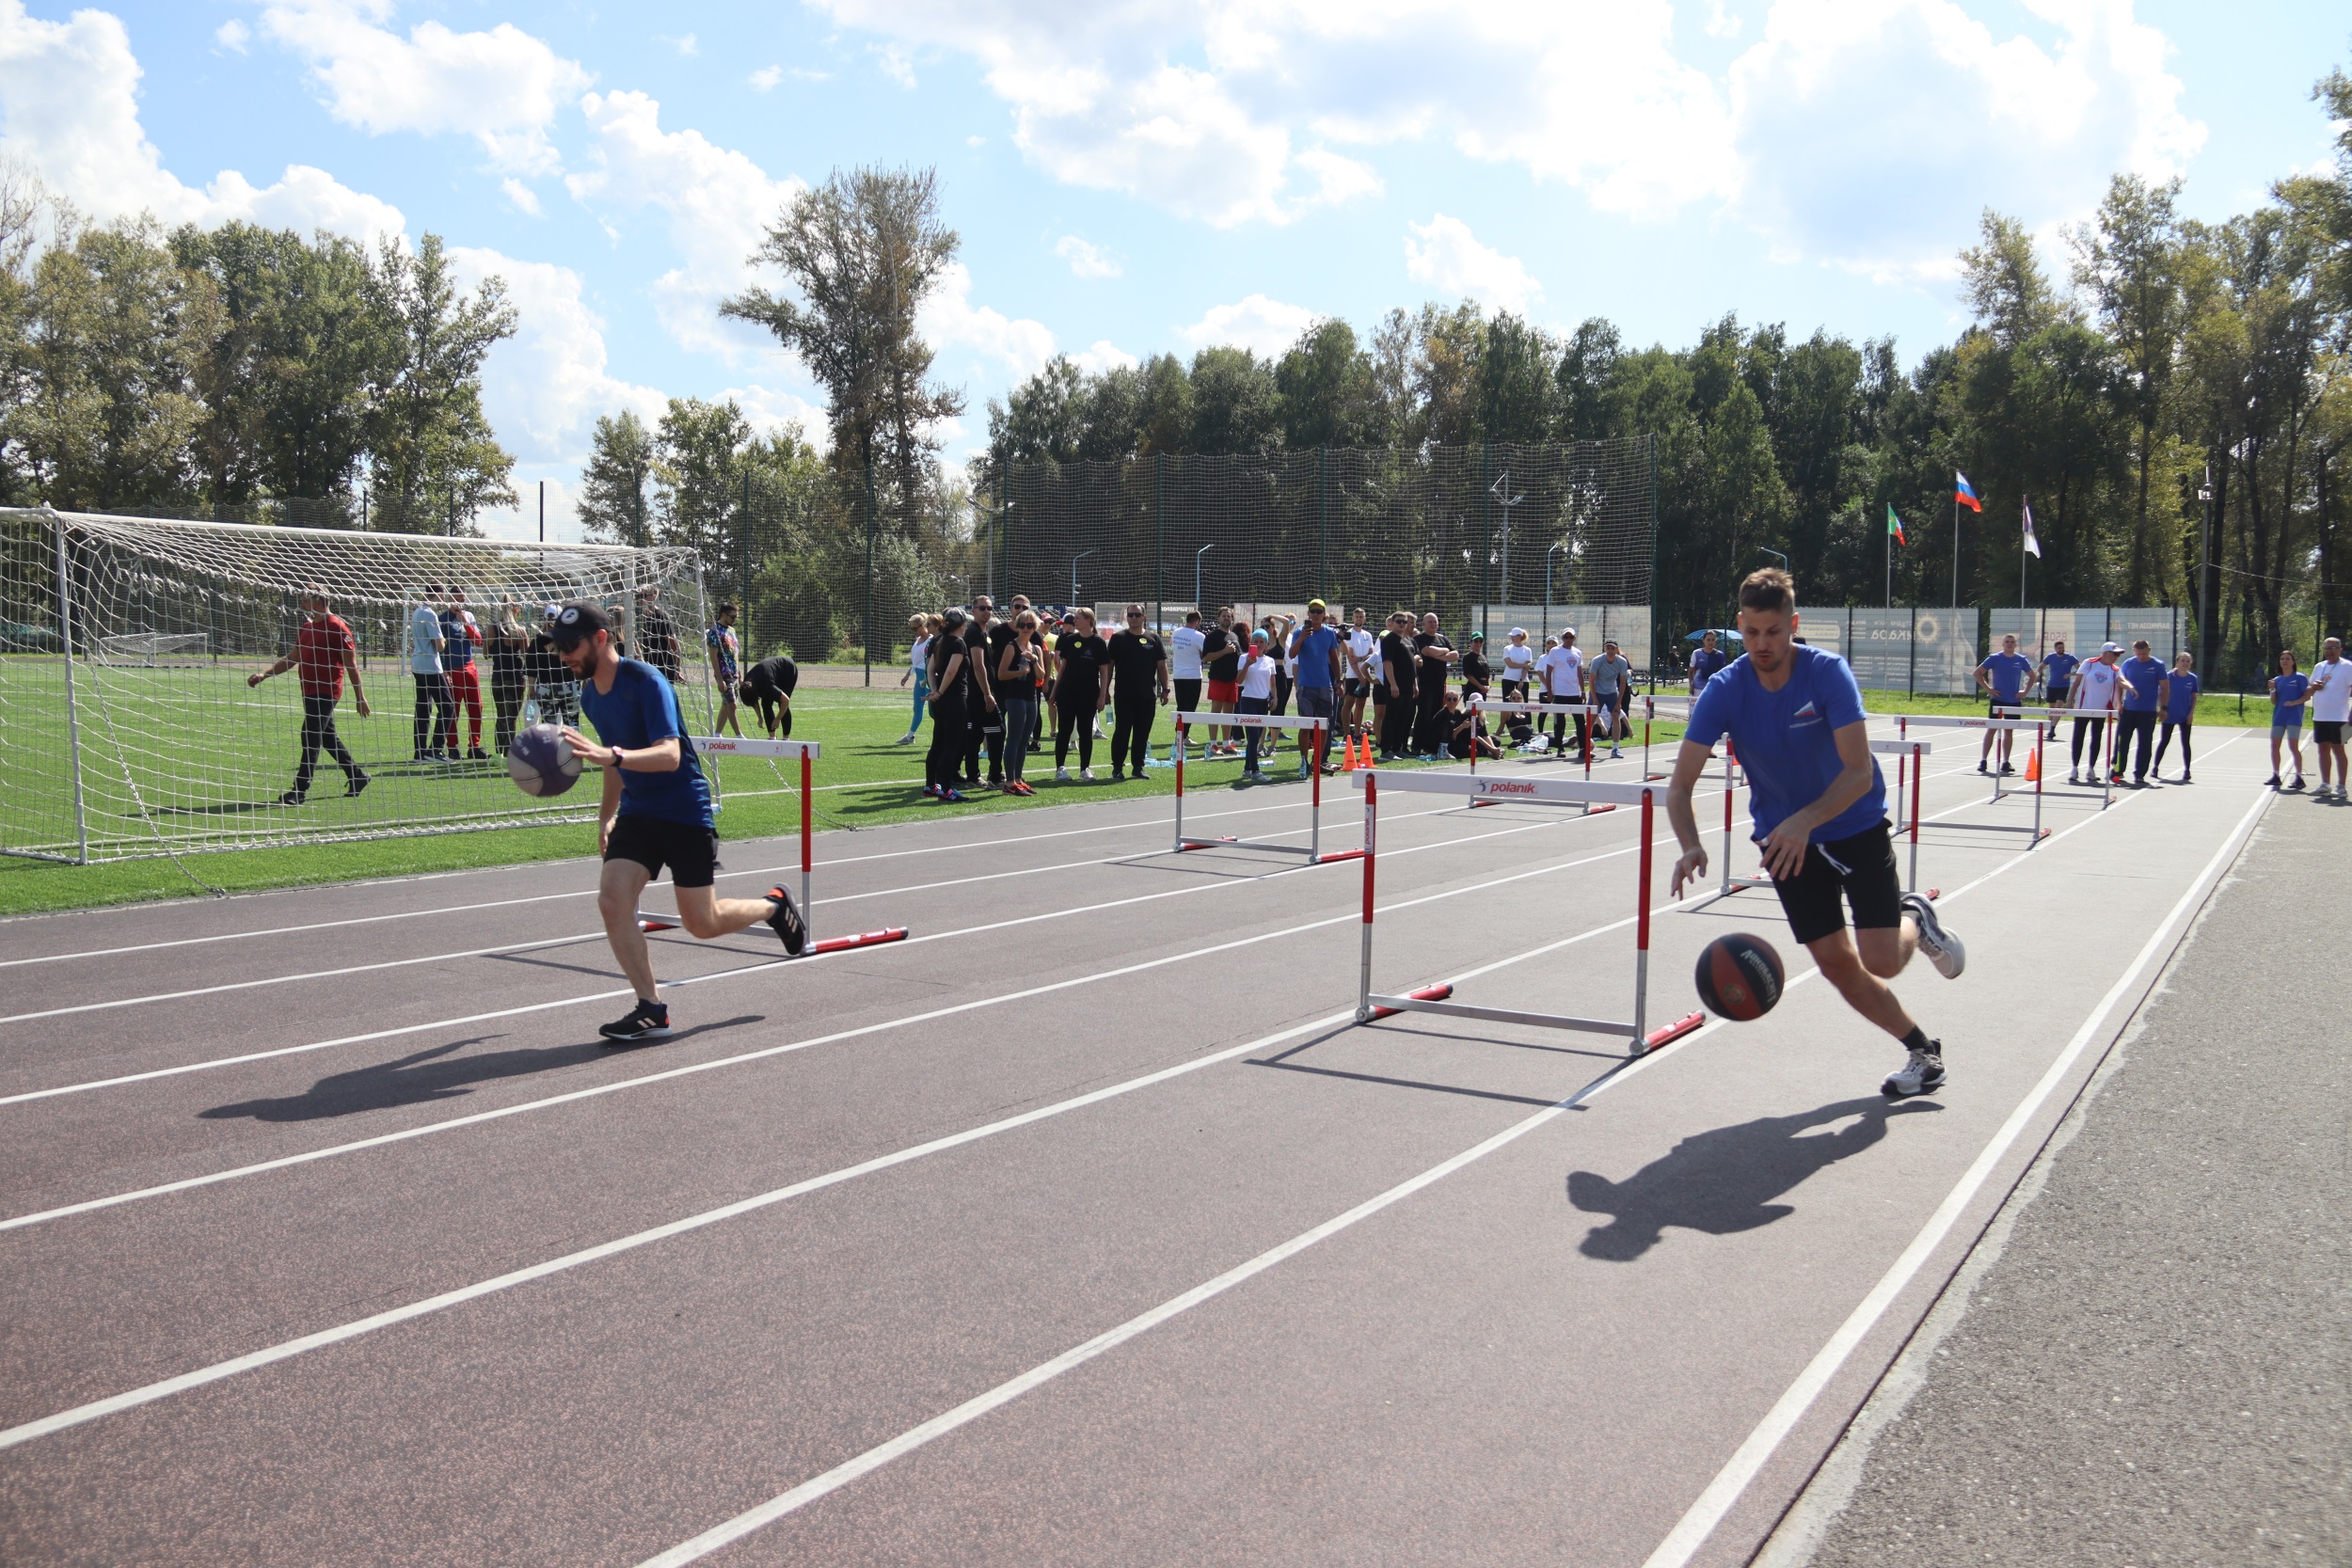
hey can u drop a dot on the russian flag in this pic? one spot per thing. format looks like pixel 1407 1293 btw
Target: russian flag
pixel 1966 493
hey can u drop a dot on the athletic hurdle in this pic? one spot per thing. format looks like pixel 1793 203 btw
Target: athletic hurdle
pixel 1489 704
pixel 807 750
pixel 1649 714
pixel 1904 722
pixel 1322 728
pixel 1731 884
pixel 1914 752
pixel 2110 740
pixel 1434 999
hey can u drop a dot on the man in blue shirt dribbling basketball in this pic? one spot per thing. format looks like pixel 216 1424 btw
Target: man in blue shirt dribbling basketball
pixel 1794 714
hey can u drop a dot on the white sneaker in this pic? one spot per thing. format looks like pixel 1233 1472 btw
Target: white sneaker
pixel 1086 773
pixel 2074 775
pixel 1922 1074
pixel 1615 754
pixel 1943 949
pixel 1062 774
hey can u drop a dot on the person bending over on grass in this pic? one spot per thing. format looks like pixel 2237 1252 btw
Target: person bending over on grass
pixel 2005 679
pixel 726 666
pixel 323 653
pixel 1794 714
pixel 2179 711
pixel 767 688
pixel 2289 692
pixel 655 812
pixel 2331 712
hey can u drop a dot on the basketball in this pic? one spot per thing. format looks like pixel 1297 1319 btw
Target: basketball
pixel 541 761
pixel 1740 978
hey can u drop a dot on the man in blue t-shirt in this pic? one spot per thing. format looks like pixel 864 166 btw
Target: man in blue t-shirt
pixel 2143 694
pixel 1705 662
pixel 657 812
pixel 1794 715
pixel 2058 679
pixel 1314 654
pixel 2005 677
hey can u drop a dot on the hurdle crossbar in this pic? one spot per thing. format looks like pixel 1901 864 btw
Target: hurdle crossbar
pixel 2111 739
pixel 1905 722
pixel 1489 704
pixel 1436 999
pixel 1320 727
pixel 807 751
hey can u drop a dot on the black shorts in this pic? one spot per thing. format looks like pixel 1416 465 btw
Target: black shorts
pixel 1862 870
pixel 2327 731
pixel 1357 689
pixel 689 849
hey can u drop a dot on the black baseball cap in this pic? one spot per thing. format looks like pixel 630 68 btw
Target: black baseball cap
pixel 577 622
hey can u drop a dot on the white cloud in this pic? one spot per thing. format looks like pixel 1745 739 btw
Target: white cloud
pixel 1104 356
pixel 718 201
pixel 1085 259
pixel 1448 258
pixel 949 319
pixel 544 387
pixel 766 77
pixel 686 44
pixel 232 35
pixel 503 86
pixel 1264 326
pixel 895 64
pixel 770 409
pixel 69 99
pixel 1234 111
pixel 521 197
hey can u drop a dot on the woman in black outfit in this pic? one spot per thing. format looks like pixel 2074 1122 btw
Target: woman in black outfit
pixel 510 650
pixel 1082 658
pixel 942 765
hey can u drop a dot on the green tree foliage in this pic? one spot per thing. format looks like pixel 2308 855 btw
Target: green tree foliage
pixel 429 444
pixel 612 490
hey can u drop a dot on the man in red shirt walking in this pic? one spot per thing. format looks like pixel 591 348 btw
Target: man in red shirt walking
pixel 322 651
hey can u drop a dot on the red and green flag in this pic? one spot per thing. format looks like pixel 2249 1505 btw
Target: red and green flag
pixel 1895 525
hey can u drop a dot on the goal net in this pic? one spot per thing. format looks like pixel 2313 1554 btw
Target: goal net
pixel 129 725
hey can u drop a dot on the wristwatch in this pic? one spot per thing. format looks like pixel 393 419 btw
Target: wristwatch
pixel 617 755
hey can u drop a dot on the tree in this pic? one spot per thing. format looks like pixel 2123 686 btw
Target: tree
pixel 613 489
pixel 2127 261
pixel 1164 406
pixel 697 471
pixel 432 457
pixel 2007 286
pixel 1447 345
pixel 1514 382
pixel 1233 403
pixel 1586 403
pixel 1324 383
pixel 863 252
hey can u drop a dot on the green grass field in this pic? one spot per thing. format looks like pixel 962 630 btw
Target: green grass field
pixel 203 758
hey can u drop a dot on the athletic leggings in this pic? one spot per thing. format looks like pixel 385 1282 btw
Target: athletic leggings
pixel 1073 713
pixel 1396 724
pixel 433 714
pixel 943 765
pixel 1560 722
pixel 1252 705
pixel 922 701
pixel 2165 740
pixel 2097 728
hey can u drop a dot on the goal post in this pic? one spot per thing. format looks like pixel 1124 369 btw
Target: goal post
pixel 130 723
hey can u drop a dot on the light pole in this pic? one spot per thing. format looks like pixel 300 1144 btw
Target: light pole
pixel 1775 555
pixel 2205 577
pixel 1500 491
pixel 1195 576
pixel 1548 555
pixel 1073 576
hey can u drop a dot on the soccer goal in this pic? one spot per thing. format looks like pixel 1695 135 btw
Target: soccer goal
pixel 131 723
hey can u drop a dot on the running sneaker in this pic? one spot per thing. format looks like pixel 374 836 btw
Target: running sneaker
pixel 2273 780
pixel 1615 756
pixel 1062 774
pixel 2296 784
pixel 1943 949
pixel 932 790
pixel 784 920
pixel 906 739
pixel 476 754
pixel 1983 768
pixel 2075 776
pixel 1922 1074
pixel 2009 767
pixel 358 782
pixel 1304 766
pixel 1086 774
pixel 2184 775
pixel 1253 776
pixel 648 1021
pixel 954 797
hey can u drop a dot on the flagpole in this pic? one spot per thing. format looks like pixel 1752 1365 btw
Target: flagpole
pixel 2021 561
pixel 1955 548
pixel 1890 566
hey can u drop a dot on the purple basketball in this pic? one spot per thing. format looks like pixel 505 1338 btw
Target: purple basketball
pixel 541 761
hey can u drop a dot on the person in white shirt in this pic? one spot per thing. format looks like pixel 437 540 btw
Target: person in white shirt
pixel 1519 669
pixel 1183 668
pixel 2095 686
pixel 1561 672
pixel 918 671
pixel 1360 652
pixel 434 712
pixel 2331 710
pixel 1257 668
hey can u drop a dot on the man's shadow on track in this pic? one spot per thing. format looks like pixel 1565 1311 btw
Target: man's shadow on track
pixel 1723 1182
pixel 427 1075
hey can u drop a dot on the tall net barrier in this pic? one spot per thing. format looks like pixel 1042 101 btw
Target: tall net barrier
pixel 129 725
pixel 2083 628
pixel 1483 537
pixel 1907 648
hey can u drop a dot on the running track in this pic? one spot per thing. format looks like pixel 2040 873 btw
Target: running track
pixel 1084 1227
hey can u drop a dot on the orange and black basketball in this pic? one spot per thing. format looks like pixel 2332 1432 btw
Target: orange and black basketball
pixel 1740 978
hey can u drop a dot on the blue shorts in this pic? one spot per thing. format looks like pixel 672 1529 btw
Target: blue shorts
pixel 1316 702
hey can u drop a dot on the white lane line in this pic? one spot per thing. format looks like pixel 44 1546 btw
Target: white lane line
pixel 1700 1520
pixel 1013 1388
pixel 764 1052
pixel 738 970
pixel 168 1386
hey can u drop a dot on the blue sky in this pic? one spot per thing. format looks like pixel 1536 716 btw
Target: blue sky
pixel 1132 176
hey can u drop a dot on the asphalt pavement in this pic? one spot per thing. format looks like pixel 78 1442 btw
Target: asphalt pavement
pixel 2148 1360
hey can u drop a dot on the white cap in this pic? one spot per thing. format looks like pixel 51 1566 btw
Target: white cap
pixel 1518 631
pixel 2110 648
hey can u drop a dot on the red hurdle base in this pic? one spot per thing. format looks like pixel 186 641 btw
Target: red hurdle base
pixel 1674 1031
pixel 830 945
pixel 1426 993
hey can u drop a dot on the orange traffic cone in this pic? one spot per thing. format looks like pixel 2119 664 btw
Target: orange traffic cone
pixel 1368 763
pixel 2033 766
pixel 1347 745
